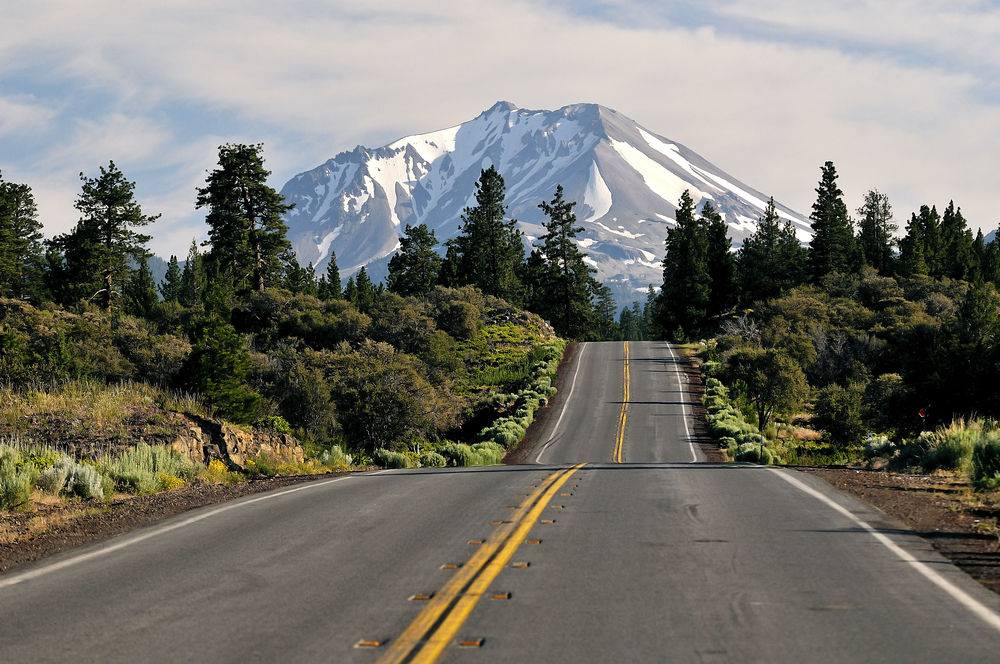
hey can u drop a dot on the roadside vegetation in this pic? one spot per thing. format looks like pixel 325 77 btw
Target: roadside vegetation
pixel 101 367
pixel 858 349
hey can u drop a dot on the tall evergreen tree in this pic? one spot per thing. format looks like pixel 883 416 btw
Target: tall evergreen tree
pixel 771 259
pixel 170 287
pixel 413 270
pixel 957 258
pixel 140 290
pixel 920 248
pixel 832 248
pixel 364 291
pixel 568 287
pixel 606 307
pixel 685 295
pixel 876 232
pixel 490 246
pixel 246 232
pixel 193 277
pixel 22 260
pixel 98 253
pixel 721 265
pixel 329 283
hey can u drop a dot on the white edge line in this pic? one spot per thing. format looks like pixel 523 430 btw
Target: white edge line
pixel 55 567
pixel 572 386
pixel 680 382
pixel 986 614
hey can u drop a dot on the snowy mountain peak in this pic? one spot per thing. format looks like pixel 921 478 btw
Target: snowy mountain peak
pixel 625 179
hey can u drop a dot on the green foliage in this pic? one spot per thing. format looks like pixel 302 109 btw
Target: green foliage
pixel 17 478
pixel 685 296
pixel 413 270
pixel 93 260
pixel 389 459
pixel 986 461
pixel 275 423
pixel 21 253
pixel 770 260
pixel 143 469
pixel 564 285
pixel 217 368
pixel 832 248
pixel 246 232
pixel 432 460
pixel 489 252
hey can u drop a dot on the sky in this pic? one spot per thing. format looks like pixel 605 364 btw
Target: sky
pixel 902 95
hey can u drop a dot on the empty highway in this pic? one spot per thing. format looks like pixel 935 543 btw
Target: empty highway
pixel 614 542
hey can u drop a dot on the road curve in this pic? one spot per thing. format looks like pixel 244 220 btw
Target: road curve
pixel 655 559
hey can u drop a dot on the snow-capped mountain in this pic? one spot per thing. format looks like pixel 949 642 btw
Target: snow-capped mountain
pixel 626 182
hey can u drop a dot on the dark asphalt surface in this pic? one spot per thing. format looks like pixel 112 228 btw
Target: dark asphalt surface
pixel 655 560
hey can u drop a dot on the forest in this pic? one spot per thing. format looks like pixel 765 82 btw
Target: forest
pixel 887 347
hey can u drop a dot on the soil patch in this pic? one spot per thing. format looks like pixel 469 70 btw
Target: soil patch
pixel 26 536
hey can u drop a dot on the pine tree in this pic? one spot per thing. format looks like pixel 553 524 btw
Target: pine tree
pixel 685 294
pixel 490 246
pixel 876 232
pixel 193 278
pixel 140 291
pixel 170 287
pixel 219 363
pixel 351 291
pixel 365 292
pixel 771 259
pixel 98 253
pixel 246 233
pixel 918 249
pixel 957 258
pixel 721 265
pixel 832 248
pixel 606 307
pixel 329 283
pixel 567 289
pixel 413 270
pixel 450 274
pixel 21 255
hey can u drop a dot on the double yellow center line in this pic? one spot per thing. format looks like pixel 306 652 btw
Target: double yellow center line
pixel 618 456
pixel 435 627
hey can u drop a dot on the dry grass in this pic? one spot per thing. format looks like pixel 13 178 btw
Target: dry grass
pixel 89 405
pixel 38 525
pixel 807 434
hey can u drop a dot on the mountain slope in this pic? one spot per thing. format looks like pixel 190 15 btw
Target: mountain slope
pixel 625 179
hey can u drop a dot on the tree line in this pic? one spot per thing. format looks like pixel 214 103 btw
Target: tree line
pixel 704 281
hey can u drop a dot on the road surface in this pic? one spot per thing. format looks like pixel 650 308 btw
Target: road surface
pixel 616 543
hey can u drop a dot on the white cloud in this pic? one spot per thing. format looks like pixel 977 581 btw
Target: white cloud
pixel 893 92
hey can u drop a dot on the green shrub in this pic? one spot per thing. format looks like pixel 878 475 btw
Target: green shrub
pixel 136 470
pixel 986 461
pixel 274 423
pixel 489 453
pixel 432 460
pixel 880 447
pixel 459 454
pixel 389 459
pixel 335 456
pixel 750 452
pixel 953 451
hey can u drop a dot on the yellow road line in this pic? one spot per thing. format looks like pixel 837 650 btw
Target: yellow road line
pixel 618 455
pixel 434 627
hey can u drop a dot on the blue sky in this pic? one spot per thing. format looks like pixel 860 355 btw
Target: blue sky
pixel 903 95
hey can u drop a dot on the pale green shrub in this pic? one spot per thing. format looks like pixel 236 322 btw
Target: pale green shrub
pixel 432 460
pixel 389 459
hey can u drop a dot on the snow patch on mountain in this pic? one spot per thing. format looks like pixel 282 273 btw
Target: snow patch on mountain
pixel 625 180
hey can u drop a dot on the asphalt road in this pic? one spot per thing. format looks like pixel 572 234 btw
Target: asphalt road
pixel 658 558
